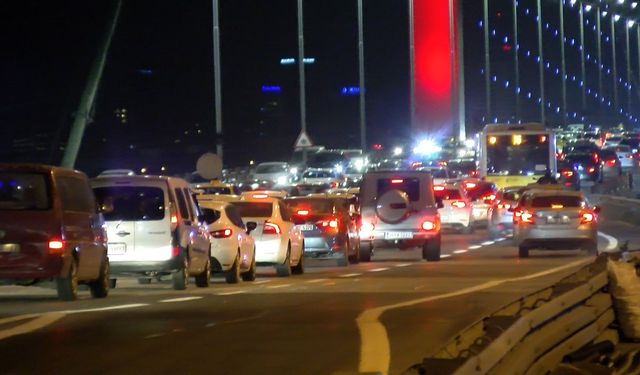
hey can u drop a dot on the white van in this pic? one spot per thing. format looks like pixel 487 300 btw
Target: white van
pixel 155 228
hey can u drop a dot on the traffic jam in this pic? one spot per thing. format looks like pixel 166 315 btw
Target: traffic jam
pixel 520 182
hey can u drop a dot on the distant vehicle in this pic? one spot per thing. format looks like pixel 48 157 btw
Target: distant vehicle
pixel 275 172
pixel 329 227
pixel 633 143
pixel 327 159
pixel 516 154
pixel 117 172
pixel 482 195
pixel 500 214
pixel 569 175
pixel 625 155
pixel 399 209
pixel 317 180
pixel 51 230
pixel 611 164
pixel 213 187
pixel 549 219
pixel 232 247
pixel 462 168
pixel 588 165
pixel 440 175
pixel 612 141
pixel 155 228
pixel 456 211
pixel 278 241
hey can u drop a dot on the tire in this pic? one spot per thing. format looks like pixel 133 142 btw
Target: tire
pixel 344 260
pixel 591 247
pixel 113 283
pixel 366 252
pixel 355 258
pixel 431 250
pixel 298 269
pixel 250 275
pixel 284 270
pixel 203 280
pixel 180 278
pixel 523 251
pixel 100 287
pixel 67 286
pixel 232 276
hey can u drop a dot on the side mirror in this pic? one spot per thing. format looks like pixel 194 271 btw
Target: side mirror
pixel 251 226
pixel 596 209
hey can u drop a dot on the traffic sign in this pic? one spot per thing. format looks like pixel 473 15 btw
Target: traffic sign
pixel 303 140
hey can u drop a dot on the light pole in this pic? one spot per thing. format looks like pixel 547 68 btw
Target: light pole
pixel 487 60
pixel 583 72
pixel 412 68
pixel 303 108
pixel 563 64
pixel 516 62
pixel 599 48
pixel 615 61
pixel 541 63
pixel 628 25
pixel 462 130
pixel 217 77
pixel 363 119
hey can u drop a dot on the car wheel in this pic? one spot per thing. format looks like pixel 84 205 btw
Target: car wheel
pixel 343 261
pixel 203 280
pixel 180 278
pixel 591 247
pixel 112 283
pixel 468 229
pixel 431 250
pixel 100 287
pixel 284 269
pixel 67 286
pixel 366 252
pixel 355 258
pixel 298 269
pixel 523 251
pixel 232 276
pixel 250 275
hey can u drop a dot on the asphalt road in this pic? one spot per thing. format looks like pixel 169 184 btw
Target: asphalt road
pixel 381 316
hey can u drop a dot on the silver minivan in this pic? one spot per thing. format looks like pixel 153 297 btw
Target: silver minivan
pixel 155 228
pixel 399 209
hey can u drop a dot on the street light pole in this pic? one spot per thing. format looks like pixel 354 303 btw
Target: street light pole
pixel 487 61
pixel 462 117
pixel 615 61
pixel 541 63
pixel 628 56
pixel 563 65
pixel 303 108
pixel 217 77
pixel 363 119
pixel 583 72
pixel 599 48
pixel 516 62
pixel 412 69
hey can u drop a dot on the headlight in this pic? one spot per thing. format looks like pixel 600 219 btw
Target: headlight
pixel 293 170
pixel 282 180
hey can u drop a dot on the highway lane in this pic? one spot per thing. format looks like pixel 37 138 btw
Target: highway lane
pixel 303 324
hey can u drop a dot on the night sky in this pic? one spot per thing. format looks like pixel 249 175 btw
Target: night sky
pixel 160 70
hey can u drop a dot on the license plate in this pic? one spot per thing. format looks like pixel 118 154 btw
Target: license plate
pixel 10 248
pixel 557 220
pixel 397 235
pixel 307 227
pixel 117 248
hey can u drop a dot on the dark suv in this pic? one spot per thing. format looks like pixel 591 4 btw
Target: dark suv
pixel 399 209
pixel 50 229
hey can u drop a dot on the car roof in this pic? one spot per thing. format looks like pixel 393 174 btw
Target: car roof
pixel 219 205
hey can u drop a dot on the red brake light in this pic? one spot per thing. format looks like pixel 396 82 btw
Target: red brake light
pixel 459 204
pixel 174 219
pixel 470 185
pixel 428 225
pixel 270 228
pixel 175 251
pixel 333 184
pixel 222 233
pixel 474 173
pixel 331 223
pixel 595 157
pixel 527 217
pixel 489 198
pixel 397 181
pixel 302 213
pixel 504 206
pixel 587 217
pixel 591 169
pixel 56 247
pixel 567 173
pixel 438 188
pixel 611 162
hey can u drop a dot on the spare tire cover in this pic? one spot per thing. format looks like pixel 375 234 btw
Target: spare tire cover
pixel 392 206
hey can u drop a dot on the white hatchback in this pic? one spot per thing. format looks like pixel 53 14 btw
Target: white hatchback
pixel 279 242
pixel 232 247
pixel 456 212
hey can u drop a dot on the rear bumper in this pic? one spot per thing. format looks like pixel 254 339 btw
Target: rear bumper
pixel 556 238
pixel 223 254
pixel 321 247
pixel 145 266
pixel 272 251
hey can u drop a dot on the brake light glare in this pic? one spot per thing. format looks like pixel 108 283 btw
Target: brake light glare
pixel 330 223
pixel 587 217
pixel 271 228
pixel 260 196
pixel 367 227
pixel 56 247
pixel 611 162
pixel 591 169
pixel 175 251
pixel 459 204
pixel 470 185
pixel 438 188
pixel 490 197
pixel 504 206
pixel 527 217
pixel 567 173
pixel 303 212
pixel 428 225
pixel 397 181
pixel 174 219
pixel 222 233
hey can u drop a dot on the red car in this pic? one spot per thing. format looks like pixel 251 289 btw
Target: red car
pixel 50 230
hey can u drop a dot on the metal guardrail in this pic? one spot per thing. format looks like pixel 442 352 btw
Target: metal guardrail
pixel 533 334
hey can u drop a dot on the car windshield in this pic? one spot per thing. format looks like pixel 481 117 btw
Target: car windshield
pixel 314 206
pixel 608 153
pixel 411 186
pixel 461 169
pixel 131 203
pixel 271 168
pixel 254 209
pixel 438 173
pixel 448 194
pixel 517 155
pixel 557 201
pixel 580 158
pixel 24 191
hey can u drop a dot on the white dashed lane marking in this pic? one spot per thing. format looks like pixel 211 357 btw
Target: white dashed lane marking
pixel 350 275
pixel 278 286
pixel 231 293
pixel 379 269
pixel 462 251
pixel 475 247
pixel 181 299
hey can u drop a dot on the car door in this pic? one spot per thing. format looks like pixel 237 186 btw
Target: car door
pixel 81 224
pixel 295 234
pixel 245 241
pixel 200 240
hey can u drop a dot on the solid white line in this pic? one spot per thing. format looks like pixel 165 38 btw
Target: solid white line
pixel 403 265
pixel 462 251
pixel 261 282
pixel 231 293
pixel 378 269
pixel 278 286
pixel 474 247
pixel 487 243
pixel 181 299
pixel 108 308
pixel 375 351
pixel 613 242
pixel 500 239
pixel 444 256
pixel 315 281
pixel 350 275
pixel 35 324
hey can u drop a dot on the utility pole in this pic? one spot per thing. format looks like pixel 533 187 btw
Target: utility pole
pixel 217 77
pixel 583 73
pixel 363 118
pixel 412 68
pixel 541 64
pixel 462 116
pixel 303 108
pixel 627 26
pixel 89 93
pixel 563 64
pixel 516 59
pixel 487 61
pixel 615 62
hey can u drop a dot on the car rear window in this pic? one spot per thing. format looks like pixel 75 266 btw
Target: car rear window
pixel 24 191
pixel 314 206
pixel 411 186
pixel 448 194
pixel 622 148
pixel 438 173
pixel 211 215
pixel 271 168
pixel 254 209
pixel 131 203
pixel 560 201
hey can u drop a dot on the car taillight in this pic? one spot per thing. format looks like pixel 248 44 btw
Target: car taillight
pixel 56 247
pixel 489 198
pixel 459 204
pixel 271 228
pixel 595 157
pixel 591 170
pixel 611 162
pixel 333 184
pixel 175 251
pixel 222 233
pixel 567 174
pixel 474 173
pixel 397 181
pixel 516 216
pixel 302 212
pixel 470 185
pixel 428 225
pixel 587 217
pixel 331 223
pixel 438 188
pixel 527 217
pixel 504 206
